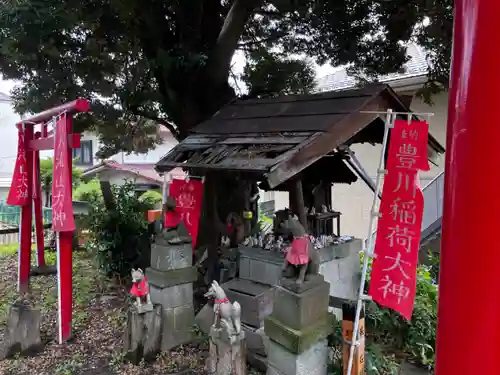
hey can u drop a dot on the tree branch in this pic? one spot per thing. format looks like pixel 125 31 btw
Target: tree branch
pixel 227 42
pixel 169 125
pixel 263 40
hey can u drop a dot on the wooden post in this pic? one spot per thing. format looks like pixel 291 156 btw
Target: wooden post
pixel 297 201
pixel 26 219
pixel 348 315
pixel 65 262
pixel 37 202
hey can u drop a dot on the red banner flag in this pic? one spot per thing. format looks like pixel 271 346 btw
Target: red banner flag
pixel 62 205
pixel 394 269
pixel 188 196
pixel 19 192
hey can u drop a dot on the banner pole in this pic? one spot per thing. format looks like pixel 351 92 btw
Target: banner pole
pixel 368 250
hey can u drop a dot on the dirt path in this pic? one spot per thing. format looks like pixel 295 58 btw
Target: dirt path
pixel 98 325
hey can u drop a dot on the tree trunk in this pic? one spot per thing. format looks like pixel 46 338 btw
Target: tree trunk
pixel 224 193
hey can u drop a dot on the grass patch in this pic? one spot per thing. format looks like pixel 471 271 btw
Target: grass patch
pixel 10 249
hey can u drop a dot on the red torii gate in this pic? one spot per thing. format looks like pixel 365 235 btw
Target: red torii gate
pixel 25 191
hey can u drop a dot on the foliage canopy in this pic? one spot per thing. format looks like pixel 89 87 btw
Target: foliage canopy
pixel 169 61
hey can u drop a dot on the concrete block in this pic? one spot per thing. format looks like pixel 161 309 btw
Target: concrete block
pixel 256 300
pixel 297 341
pixel 339 265
pixel 177 295
pixel 255 340
pixel 260 266
pixel 312 361
pixel 343 275
pixel 164 279
pixel 298 311
pixel 165 258
pixel 257 361
pixel 205 318
pixel 183 317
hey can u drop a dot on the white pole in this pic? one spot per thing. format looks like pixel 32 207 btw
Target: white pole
pixel 368 251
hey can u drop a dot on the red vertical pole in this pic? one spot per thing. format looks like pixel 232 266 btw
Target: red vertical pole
pixel 65 263
pixel 37 202
pixel 24 253
pixel 468 336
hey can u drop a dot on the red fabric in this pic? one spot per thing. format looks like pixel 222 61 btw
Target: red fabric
pixel 394 270
pixel 298 253
pixel 188 196
pixel 62 206
pixel 19 191
pixel 140 288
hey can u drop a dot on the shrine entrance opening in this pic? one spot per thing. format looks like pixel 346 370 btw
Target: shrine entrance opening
pixel 25 191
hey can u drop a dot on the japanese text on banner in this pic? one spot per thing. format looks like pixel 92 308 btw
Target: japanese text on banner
pixel 393 275
pixel 188 196
pixel 62 206
pixel 19 192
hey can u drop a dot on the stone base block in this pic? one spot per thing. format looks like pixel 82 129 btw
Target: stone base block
pixel 261 266
pixel 165 257
pixel 256 300
pixel 257 340
pixel 205 318
pixel 165 279
pixel 297 341
pixel 226 357
pixel 178 313
pixel 257 361
pixel 343 273
pixel 299 310
pixel 313 361
pixel 142 336
pixel 173 296
pixel 337 264
pixel 177 326
pixel 22 335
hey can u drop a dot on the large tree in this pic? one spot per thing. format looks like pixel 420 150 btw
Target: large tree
pixel 144 62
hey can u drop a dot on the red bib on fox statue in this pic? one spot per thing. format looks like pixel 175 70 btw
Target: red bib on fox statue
pixel 140 288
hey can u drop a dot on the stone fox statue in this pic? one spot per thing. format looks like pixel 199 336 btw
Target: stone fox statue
pixel 301 258
pixel 226 314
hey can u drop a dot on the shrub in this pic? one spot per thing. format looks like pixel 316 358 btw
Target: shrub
pixel 88 191
pixel 119 238
pixel 152 197
pixel 391 338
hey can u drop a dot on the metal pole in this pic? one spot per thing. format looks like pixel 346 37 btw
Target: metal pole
pixel 389 123
pixel 469 251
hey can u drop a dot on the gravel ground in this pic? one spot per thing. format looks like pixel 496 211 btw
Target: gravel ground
pixel 98 325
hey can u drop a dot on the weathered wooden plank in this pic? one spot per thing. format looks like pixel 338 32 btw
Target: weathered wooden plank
pixel 325 106
pixel 200 140
pixel 252 163
pixel 265 140
pixel 270 125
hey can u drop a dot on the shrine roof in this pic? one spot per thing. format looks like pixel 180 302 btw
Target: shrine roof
pixel 145 171
pixel 281 136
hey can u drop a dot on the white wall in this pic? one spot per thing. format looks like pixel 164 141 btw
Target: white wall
pixel 354 201
pixel 119 178
pixel 150 157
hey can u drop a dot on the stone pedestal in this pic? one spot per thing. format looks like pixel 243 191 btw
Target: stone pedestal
pixel 22 335
pixel 298 327
pixel 142 338
pixel 227 354
pixel 256 300
pixel 171 278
